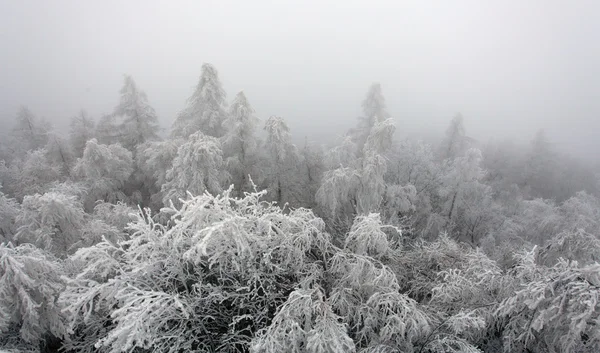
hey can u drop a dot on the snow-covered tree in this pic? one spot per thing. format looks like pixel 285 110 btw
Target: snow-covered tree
pixel 198 167
pixel 59 153
pixel 236 274
pixel 82 129
pixel 104 169
pixel 30 282
pixel 29 131
pixel 455 142
pixel 555 309
pixel 542 167
pixel 9 209
pixel 34 175
pixel 313 165
pixel 374 110
pixel 205 110
pixel 107 130
pixel 154 159
pixel 139 122
pixel 359 188
pixel 241 145
pixel 283 159
pixel 52 221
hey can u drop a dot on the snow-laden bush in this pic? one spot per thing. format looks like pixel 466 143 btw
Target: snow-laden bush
pixel 229 274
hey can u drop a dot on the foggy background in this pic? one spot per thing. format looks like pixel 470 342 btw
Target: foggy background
pixel 510 67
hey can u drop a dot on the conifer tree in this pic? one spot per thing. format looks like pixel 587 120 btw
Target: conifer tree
pixel 205 110
pixel 139 121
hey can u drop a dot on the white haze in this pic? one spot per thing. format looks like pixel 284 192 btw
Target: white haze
pixel 510 67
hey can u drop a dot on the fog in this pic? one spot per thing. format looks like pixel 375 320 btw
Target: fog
pixel 510 67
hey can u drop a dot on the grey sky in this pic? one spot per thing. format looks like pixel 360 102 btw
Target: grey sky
pixel 510 67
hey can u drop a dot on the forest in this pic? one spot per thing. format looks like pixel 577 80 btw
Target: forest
pixel 223 235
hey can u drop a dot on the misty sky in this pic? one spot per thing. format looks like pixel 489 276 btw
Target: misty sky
pixel 510 67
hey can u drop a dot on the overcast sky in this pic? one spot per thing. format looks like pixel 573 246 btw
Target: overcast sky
pixel 510 67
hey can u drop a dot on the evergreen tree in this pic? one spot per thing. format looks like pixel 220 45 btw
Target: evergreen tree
pixel 240 144
pixel 374 110
pixel 82 129
pixel 205 110
pixel 455 141
pixel 139 121
pixel 30 132
pixel 198 167
pixel 283 160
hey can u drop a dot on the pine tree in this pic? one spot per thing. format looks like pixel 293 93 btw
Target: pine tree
pixel 283 160
pixel 205 110
pixel 139 121
pixel 198 167
pixel 374 109
pixel 103 169
pixel 82 129
pixel 59 153
pixel 455 141
pixel 240 144
pixel 29 131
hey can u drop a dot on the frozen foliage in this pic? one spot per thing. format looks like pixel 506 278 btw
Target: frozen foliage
pixel 34 175
pixel 139 121
pixel 117 241
pixel 9 209
pixel 282 180
pixel 29 285
pixel 555 309
pixel 455 141
pixel 205 110
pixel 240 144
pixel 360 187
pixel 233 274
pixel 82 129
pixel 53 221
pixel 198 167
pixel 154 160
pixel 305 323
pixel 59 153
pixel 374 110
pixel 29 131
pixel 104 169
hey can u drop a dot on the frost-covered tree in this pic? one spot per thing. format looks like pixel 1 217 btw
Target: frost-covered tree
pixel 198 167
pixel 455 143
pixel 33 175
pixel 555 309
pixel 52 221
pixel 9 209
pixel 107 130
pixel 281 173
pixel 374 110
pixel 360 187
pixel 463 174
pixel 236 274
pixel 313 165
pixel 103 169
pixel 205 110
pixel 29 131
pixel 241 145
pixel 139 122
pixel 542 167
pixel 81 130
pixel 154 160
pixel 30 282
pixel 59 153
